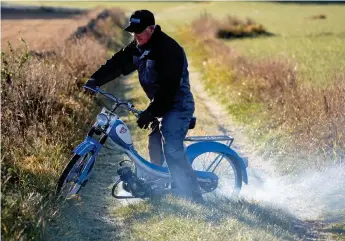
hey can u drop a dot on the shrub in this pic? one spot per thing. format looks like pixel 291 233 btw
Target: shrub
pixel 232 27
pixel 319 16
pixel 229 27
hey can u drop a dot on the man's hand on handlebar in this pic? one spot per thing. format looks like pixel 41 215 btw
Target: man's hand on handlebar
pixel 144 119
pixel 91 83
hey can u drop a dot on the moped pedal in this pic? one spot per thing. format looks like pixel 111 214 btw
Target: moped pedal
pixel 113 192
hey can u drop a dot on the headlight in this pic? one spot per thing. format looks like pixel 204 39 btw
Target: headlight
pixel 102 120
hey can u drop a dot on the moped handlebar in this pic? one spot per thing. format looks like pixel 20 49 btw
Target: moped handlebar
pixel 126 104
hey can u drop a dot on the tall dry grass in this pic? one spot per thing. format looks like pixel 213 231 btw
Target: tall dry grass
pixel 102 28
pixel 311 117
pixel 44 115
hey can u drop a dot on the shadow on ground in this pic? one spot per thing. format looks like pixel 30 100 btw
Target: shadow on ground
pixel 213 212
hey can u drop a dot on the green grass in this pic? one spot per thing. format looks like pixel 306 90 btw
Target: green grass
pixel 175 219
pixel 317 46
pixel 316 58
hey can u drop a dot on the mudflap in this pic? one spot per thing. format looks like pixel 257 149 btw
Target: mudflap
pixel 198 148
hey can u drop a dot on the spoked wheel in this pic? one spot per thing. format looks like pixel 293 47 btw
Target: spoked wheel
pixel 228 172
pixel 67 185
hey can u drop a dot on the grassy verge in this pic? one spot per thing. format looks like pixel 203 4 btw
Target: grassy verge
pixel 44 115
pixel 286 116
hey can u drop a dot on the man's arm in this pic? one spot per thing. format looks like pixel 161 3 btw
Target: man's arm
pixel 169 68
pixel 120 63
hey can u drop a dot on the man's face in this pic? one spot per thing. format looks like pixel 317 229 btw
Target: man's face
pixel 143 37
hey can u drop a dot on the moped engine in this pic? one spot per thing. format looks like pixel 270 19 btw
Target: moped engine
pixel 133 184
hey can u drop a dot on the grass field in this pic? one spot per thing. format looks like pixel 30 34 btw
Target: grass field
pixel 317 46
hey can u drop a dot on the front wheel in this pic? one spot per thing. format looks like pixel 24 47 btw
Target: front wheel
pixel 228 172
pixel 68 184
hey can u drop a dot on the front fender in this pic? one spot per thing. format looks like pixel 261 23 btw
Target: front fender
pixel 89 144
pixel 198 148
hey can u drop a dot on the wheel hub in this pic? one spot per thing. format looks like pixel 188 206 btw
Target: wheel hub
pixel 208 185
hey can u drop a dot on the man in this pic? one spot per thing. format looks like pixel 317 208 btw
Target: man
pixel 162 67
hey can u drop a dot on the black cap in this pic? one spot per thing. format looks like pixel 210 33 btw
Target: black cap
pixel 140 20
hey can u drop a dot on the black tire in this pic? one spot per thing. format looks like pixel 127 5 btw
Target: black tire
pixel 69 167
pixel 202 162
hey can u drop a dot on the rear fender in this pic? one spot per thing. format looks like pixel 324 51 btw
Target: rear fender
pixel 198 148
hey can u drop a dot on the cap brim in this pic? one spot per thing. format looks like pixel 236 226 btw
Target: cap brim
pixel 134 28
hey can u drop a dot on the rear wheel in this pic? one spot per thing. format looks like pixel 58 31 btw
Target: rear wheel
pixel 68 181
pixel 227 170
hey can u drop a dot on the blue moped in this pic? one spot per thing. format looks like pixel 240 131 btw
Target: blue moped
pixel 219 169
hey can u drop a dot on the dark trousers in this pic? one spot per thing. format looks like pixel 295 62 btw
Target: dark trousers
pixel 166 143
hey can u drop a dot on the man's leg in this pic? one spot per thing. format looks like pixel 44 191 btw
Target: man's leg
pixel 174 127
pixel 155 144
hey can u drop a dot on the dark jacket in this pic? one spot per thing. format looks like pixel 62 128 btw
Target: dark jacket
pixel 163 72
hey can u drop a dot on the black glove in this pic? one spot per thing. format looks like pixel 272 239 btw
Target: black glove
pixel 91 83
pixel 144 120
